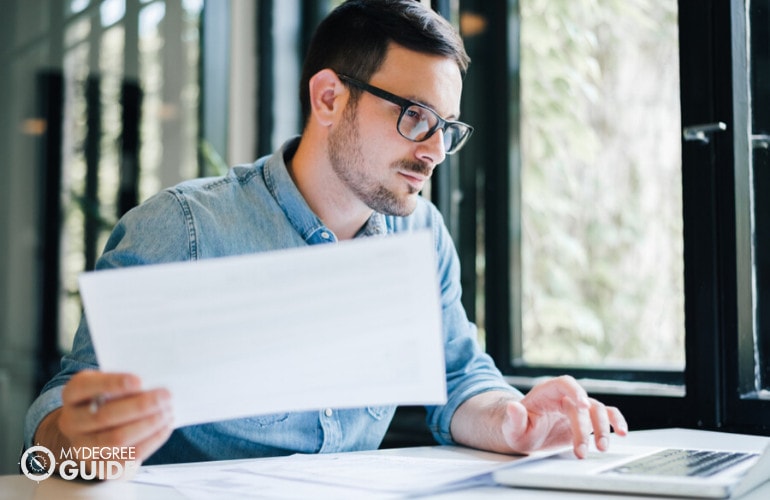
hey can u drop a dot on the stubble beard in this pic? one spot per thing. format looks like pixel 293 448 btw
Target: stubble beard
pixel 348 162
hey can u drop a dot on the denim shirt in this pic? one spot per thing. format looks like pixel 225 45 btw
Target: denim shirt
pixel 255 208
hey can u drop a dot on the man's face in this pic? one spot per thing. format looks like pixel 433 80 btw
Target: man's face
pixel 381 168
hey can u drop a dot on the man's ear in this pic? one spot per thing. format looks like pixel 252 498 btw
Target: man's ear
pixel 327 96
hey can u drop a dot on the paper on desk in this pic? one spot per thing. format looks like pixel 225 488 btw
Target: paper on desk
pixel 351 324
pixel 376 474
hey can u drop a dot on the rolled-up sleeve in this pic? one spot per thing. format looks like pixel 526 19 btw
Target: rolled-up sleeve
pixel 469 370
pixel 81 357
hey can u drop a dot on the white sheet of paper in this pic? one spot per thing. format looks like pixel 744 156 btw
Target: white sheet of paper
pixel 369 474
pixel 343 325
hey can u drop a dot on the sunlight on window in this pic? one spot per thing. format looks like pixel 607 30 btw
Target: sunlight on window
pixel 97 163
pixel 601 185
pixel 112 11
pixel 170 94
pixel 76 6
pixel 74 132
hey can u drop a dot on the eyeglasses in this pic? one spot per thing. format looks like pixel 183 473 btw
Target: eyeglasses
pixel 417 122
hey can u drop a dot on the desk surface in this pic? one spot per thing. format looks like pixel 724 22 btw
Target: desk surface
pixel 20 487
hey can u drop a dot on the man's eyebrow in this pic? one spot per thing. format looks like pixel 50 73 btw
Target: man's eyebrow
pixel 451 117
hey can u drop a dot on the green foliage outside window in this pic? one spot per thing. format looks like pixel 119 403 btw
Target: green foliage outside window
pixel 601 184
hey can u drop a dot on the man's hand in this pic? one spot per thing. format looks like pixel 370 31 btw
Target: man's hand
pixel 559 412
pixel 108 410
pixel 556 412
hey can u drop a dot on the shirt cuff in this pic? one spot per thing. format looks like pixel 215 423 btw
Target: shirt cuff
pixel 40 408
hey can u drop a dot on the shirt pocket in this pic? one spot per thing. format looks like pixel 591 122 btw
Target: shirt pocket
pixel 267 420
pixel 380 412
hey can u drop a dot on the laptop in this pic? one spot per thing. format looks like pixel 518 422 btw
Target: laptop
pixel 646 470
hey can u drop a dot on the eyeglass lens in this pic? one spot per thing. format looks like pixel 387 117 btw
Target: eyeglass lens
pixel 417 123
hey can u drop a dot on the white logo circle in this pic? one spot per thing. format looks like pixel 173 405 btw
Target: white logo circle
pixel 38 463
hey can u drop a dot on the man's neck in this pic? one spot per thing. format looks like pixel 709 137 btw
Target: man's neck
pixel 325 194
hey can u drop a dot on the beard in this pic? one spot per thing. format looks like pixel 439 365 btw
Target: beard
pixel 349 163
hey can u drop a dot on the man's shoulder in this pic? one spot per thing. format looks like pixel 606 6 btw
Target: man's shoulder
pixel 236 176
pixel 201 196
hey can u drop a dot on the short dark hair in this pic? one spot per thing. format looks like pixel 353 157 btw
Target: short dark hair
pixel 353 39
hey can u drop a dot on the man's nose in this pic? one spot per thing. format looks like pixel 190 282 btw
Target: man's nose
pixel 432 150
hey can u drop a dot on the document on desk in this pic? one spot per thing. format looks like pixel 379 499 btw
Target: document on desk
pixel 378 474
pixel 343 325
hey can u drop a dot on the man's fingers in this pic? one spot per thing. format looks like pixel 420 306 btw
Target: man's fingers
pixel 617 420
pixel 559 412
pixel 141 433
pixel 123 411
pixel 551 394
pixel 601 425
pixel 604 419
pixel 578 414
pixel 87 385
pixel 152 442
pixel 110 409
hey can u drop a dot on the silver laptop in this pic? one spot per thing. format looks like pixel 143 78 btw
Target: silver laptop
pixel 642 470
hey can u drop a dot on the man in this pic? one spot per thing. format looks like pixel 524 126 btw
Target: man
pixel 380 92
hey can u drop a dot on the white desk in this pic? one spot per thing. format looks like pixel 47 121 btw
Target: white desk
pixel 19 487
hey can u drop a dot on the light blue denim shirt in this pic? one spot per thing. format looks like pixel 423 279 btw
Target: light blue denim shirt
pixel 255 208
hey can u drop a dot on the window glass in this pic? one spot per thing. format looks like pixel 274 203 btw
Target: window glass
pixel 74 131
pixel 112 11
pixel 169 55
pixel 108 101
pixel 601 218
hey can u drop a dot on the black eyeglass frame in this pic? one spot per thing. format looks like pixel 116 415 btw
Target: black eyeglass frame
pixel 465 129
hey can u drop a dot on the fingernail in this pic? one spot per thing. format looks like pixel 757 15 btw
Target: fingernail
pixel 603 443
pixel 582 450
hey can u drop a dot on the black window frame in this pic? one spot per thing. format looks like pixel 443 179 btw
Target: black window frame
pixel 715 390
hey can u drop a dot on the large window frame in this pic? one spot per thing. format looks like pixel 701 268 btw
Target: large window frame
pixel 716 390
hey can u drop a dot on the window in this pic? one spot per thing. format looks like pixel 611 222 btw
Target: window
pixel 601 270
pixel 81 80
pixel 586 188
pixel 102 112
pixel 620 219
pixel 126 114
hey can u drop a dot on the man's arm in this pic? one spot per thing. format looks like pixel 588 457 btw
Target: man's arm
pixel 556 412
pixel 108 409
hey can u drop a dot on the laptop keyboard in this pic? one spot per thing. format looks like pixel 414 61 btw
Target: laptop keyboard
pixel 700 463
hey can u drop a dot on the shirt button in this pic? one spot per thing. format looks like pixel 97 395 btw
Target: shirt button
pixel 328 412
pixel 325 235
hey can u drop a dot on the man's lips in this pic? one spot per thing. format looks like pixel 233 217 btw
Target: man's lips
pixel 414 179
pixel 414 176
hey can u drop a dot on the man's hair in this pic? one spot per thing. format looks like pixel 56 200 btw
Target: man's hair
pixel 353 39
